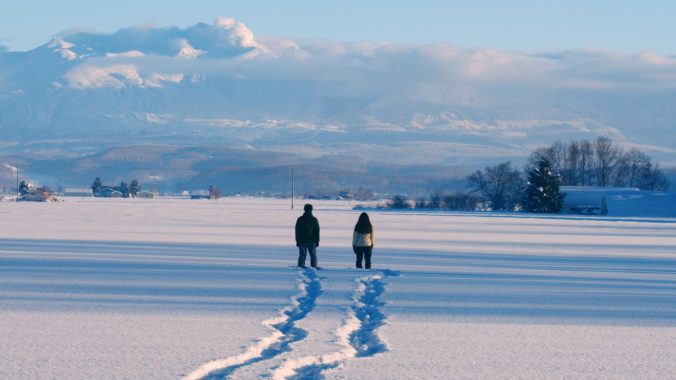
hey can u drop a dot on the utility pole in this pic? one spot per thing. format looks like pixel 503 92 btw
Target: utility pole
pixel 17 182
pixel 293 187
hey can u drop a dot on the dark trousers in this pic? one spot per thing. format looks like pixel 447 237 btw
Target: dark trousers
pixel 303 250
pixel 363 253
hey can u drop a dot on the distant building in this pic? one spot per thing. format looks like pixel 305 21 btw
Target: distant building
pixel 78 192
pixel 147 194
pixel 588 200
pixel 107 192
pixel 346 195
pixel 199 194
pixel 38 195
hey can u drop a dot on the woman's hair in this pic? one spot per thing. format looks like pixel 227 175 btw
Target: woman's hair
pixel 363 225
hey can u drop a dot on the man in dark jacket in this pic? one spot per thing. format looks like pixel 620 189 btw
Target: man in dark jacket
pixel 307 237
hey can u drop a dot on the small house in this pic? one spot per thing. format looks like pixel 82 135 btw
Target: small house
pixel 199 194
pixel 38 195
pixel 147 194
pixel 108 192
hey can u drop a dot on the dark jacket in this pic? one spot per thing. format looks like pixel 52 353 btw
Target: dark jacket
pixel 307 230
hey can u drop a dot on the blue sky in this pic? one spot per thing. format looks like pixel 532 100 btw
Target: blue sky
pixel 516 25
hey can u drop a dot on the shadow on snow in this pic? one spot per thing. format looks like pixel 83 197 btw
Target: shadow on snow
pixel 367 309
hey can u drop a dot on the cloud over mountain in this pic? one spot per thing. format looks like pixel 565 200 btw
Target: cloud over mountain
pixel 228 47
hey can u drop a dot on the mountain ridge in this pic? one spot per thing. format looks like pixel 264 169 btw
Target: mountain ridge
pixel 410 105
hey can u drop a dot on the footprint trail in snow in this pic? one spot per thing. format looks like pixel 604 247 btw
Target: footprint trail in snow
pixel 357 336
pixel 285 333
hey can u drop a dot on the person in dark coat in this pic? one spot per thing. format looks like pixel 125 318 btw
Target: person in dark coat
pixel 307 237
pixel 363 239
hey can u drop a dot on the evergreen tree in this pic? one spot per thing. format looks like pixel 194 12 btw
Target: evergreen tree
pixel 96 186
pixel 124 189
pixel 24 188
pixel 134 188
pixel 542 191
pixel 399 202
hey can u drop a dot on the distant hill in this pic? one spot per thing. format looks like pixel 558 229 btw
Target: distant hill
pixel 170 168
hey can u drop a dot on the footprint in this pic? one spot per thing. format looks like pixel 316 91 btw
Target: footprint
pixel 285 333
pixel 357 336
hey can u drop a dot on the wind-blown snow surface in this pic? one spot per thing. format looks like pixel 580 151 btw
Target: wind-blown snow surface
pixel 171 288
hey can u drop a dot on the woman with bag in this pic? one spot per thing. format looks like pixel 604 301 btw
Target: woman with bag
pixel 362 240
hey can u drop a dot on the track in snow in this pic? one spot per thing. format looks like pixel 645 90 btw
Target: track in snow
pixel 285 333
pixel 357 336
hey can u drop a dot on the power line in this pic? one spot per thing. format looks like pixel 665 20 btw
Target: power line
pixel 293 188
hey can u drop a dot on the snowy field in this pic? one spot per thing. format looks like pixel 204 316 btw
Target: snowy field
pixel 168 288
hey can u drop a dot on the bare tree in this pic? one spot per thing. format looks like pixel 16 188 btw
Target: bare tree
pixel 500 185
pixel 214 192
pixel 635 164
pixel 569 173
pixel 607 157
pixel 654 179
pixel 555 154
pixel 436 201
pixel 399 202
pixel 600 163
pixel 421 202
pixel 621 172
pixel 461 201
pixel 586 163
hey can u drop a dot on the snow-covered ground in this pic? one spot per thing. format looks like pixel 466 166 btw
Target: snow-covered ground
pixel 170 288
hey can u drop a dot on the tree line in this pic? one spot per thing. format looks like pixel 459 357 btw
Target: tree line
pixel 500 187
pixel 130 190
pixel 536 188
pixel 438 201
pixel 577 163
pixel 602 163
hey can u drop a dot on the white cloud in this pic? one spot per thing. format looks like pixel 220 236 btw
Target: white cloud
pixel 238 33
pixel 187 50
pixel 280 46
pixel 66 54
pixel 93 76
pixel 434 72
pixel 154 118
pixel 58 43
pixel 62 48
pixel 158 80
pixel 652 58
pixel 127 54
pixel 120 75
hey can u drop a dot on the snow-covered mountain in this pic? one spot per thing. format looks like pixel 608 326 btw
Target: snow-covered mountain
pixel 219 85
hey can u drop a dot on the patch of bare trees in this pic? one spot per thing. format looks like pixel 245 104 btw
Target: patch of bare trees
pixel 399 202
pixel 214 192
pixel 601 163
pixel 455 201
pixel 501 185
